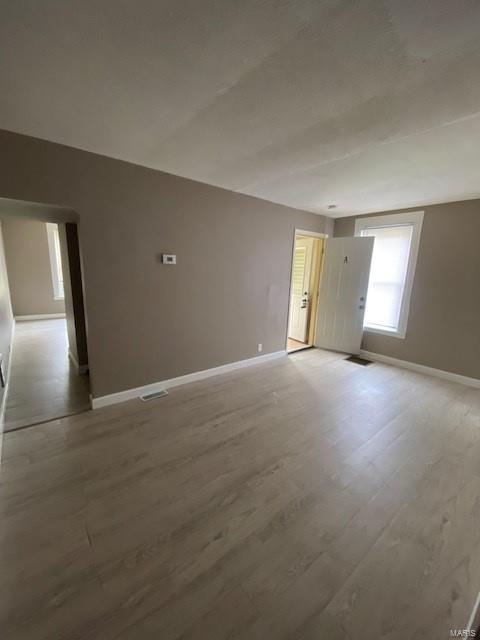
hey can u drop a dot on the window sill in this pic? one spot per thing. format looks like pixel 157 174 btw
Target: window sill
pixel 385 332
pixel 59 297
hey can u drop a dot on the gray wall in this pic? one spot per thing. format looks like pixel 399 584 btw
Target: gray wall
pixel 147 321
pixel 28 264
pixel 444 322
pixel 6 316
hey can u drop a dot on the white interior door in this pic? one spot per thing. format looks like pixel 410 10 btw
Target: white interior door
pixel 300 289
pixel 343 293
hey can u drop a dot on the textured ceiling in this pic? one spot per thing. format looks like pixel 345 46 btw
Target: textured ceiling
pixel 367 104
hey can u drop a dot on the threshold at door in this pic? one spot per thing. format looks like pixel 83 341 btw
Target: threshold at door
pixel 296 345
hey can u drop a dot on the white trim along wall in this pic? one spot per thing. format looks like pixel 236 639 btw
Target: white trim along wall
pixel 313 234
pixel 40 316
pixel 130 394
pixel 420 368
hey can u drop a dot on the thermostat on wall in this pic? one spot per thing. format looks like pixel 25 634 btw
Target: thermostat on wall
pixel 169 258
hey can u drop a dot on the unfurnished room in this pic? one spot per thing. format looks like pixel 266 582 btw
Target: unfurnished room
pixel 239 320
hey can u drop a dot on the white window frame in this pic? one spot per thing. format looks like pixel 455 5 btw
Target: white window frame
pixel 58 293
pixel 415 219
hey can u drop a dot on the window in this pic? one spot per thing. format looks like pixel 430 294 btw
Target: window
pixel 55 260
pixel 395 251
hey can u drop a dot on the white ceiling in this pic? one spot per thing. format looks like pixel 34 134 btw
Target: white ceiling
pixel 370 104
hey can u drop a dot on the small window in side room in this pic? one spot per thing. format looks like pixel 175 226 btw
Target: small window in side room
pixel 392 271
pixel 55 260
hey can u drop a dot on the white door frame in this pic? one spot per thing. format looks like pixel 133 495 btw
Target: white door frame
pixel 312 234
pixel 297 232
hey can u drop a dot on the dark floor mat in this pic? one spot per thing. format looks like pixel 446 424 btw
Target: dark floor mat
pixel 358 360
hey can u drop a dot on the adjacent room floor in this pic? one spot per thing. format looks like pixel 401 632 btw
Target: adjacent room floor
pixel 295 345
pixel 43 384
pixel 307 498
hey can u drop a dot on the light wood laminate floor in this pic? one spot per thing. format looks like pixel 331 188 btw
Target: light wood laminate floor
pixel 43 383
pixel 308 498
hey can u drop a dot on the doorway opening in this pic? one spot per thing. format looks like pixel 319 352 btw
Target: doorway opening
pixel 329 283
pixel 304 289
pixel 43 349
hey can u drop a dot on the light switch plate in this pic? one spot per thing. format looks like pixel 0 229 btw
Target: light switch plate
pixel 169 258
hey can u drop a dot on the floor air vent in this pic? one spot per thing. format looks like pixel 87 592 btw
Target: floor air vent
pixel 358 360
pixel 154 396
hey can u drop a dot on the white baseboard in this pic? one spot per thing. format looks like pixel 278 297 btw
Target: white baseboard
pixel 40 316
pixel 130 394
pixel 420 368
pixel 81 369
